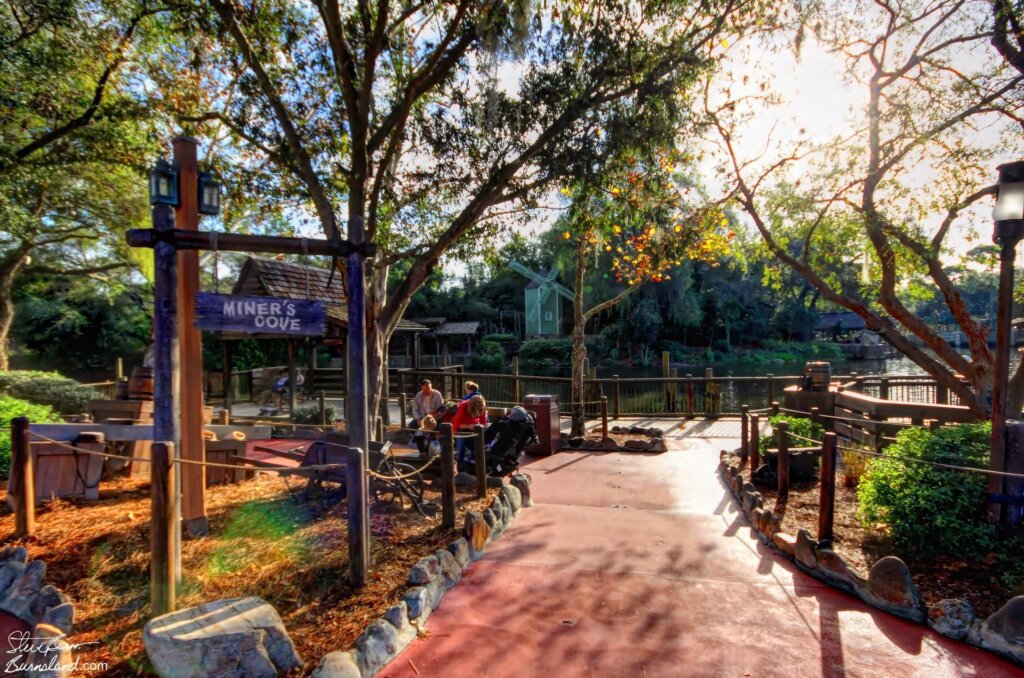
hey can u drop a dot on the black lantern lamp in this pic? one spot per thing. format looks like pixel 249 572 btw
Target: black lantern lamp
pixel 209 194
pixel 1009 210
pixel 163 184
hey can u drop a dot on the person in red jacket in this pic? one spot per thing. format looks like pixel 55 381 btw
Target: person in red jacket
pixel 470 413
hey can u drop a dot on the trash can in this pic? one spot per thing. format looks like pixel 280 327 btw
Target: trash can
pixel 545 412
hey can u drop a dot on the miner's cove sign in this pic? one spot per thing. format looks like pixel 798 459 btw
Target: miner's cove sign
pixel 260 315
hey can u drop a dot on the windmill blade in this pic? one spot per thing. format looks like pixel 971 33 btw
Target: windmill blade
pixel 552 274
pixel 525 272
pixel 564 291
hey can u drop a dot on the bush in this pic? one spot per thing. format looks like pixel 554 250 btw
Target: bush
pixel 801 426
pixel 499 337
pixel 541 354
pixel 14 407
pixel 931 510
pixel 489 355
pixel 310 414
pixel 65 395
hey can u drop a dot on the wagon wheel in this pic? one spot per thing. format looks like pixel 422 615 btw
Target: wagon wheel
pixel 410 488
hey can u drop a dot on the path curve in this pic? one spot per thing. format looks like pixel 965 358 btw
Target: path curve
pixel 639 565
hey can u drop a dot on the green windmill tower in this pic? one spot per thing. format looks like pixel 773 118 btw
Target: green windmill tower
pixel 543 300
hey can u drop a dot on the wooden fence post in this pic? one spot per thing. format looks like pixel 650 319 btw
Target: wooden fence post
pixel 618 395
pixel 323 408
pixel 771 387
pixel 604 416
pixel 480 457
pixel 744 434
pixel 816 415
pixel 883 388
pixel 517 386
pixel 664 380
pixel 782 442
pixel 163 497
pixel 403 404
pixel 22 479
pixel 775 409
pixel 689 395
pixel 755 443
pixel 941 394
pixel 358 518
pixel 827 500
pixel 674 390
pixel 447 476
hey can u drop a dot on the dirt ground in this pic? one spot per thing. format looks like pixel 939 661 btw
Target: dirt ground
pixel 861 546
pixel 263 542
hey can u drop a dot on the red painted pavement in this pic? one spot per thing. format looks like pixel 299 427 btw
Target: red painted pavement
pixel 636 565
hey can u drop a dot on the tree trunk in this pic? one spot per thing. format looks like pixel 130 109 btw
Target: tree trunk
pixel 10 264
pixel 579 348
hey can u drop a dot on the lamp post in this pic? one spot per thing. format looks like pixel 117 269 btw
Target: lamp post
pixel 165 196
pixel 1009 229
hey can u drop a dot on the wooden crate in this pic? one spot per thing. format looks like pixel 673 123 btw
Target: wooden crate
pixel 224 452
pixel 128 412
pixel 61 472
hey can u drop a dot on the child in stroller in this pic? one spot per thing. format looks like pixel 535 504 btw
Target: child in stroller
pixel 505 440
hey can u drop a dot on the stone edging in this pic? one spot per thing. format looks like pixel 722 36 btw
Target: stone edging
pixel 385 638
pixel 888 586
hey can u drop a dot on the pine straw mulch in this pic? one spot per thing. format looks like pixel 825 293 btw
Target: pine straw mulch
pixel 945 577
pixel 262 542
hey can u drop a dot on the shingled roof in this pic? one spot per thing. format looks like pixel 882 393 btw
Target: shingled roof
pixel 272 278
pixel 469 327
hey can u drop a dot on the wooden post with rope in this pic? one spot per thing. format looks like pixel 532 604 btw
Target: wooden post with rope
pixel 356 487
pixel 447 476
pixel 22 480
pixel 480 461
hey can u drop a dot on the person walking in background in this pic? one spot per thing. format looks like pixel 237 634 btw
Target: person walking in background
pixel 470 413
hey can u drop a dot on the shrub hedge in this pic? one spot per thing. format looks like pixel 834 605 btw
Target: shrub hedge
pixel 65 395
pixel 931 510
pixel 14 407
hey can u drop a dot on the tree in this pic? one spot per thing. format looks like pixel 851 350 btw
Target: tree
pixel 862 195
pixel 394 113
pixel 70 129
pixel 637 224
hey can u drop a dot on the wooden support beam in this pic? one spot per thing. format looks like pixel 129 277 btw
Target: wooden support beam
pixel 604 416
pixel 229 388
pixel 190 374
pixel 744 434
pixel 755 442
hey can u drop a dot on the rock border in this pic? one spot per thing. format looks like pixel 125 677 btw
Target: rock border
pixel 888 586
pixel 429 579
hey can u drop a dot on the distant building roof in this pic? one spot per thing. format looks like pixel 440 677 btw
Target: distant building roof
pixel 469 327
pixel 841 320
pixel 429 322
pixel 272 278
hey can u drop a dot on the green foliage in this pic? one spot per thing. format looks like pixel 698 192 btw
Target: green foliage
pixel 15 407
pixel 47 388
pixel 310 414
pixel 544 354
pixel 801 426
pixel 489 355
pixel 931 510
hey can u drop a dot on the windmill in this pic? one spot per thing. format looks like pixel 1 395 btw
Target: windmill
pixel 543 309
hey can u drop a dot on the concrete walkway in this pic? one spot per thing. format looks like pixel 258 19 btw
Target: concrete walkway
pixel 637 565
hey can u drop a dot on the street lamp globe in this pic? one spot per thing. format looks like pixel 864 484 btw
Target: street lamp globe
pixel 163 184
pixel 209 194
pixel 1009 210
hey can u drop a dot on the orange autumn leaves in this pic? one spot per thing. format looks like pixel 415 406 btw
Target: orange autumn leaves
pixel 642 224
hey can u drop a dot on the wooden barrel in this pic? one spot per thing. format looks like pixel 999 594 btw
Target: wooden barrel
pixel 121 389
pixel 817 376
pixel 140 386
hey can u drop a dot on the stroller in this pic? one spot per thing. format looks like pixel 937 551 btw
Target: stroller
pixel 505 440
